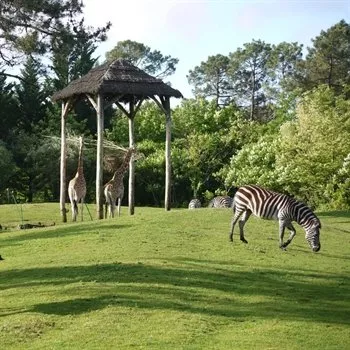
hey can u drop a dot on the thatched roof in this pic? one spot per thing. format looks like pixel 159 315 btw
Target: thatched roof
pixel 118 77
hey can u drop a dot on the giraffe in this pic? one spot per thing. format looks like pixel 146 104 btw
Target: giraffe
pixel 77 186
pixel 114 188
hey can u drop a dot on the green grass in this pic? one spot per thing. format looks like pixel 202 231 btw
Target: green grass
pixel 170 280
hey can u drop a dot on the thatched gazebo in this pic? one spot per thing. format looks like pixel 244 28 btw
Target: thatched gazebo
pixel 120 83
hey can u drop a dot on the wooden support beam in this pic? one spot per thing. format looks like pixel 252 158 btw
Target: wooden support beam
pixel 131 163
pixel 99 159
pixel 64 112
pixel 92 101
pixel 122 108
pixel 111 102
pixel 159 103
pixel 133 109
pixel 167 200
pixel 138 105
pixel 164 104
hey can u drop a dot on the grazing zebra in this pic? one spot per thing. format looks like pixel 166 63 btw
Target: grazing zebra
pixel 194 204
pixel 220 202
pixel 267 204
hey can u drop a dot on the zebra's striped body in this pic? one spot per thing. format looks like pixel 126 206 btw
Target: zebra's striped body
pixel 267 204
pixel 194 204
pixel 220 202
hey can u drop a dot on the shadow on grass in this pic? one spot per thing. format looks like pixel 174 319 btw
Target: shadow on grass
pixel 70 230
pixel 262 293
pixel 335 214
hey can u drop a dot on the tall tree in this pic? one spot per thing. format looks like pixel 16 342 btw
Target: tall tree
pixel 7 167
pixel 314 146
pixel 31 97
pixel 9 111
pixel 140 55
pixel 283 62
pixel 249 71
pixel 327 61
pixel 71 56
pixel 210 79
pixel 71 59
pixel 32 110
pixel 27 26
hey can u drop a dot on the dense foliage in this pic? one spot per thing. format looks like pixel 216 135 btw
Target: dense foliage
pixel 264 114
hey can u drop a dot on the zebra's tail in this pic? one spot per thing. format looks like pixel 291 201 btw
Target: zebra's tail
pixel 233 206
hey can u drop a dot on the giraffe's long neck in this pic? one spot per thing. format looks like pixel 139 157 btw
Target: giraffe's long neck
pixel 125 165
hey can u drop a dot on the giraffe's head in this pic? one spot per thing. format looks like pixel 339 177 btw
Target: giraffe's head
pixel 135 153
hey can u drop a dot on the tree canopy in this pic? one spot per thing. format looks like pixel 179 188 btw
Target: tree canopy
pixel 27 27
pixel 142 56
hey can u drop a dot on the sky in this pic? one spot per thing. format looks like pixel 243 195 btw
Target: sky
pixel 193 30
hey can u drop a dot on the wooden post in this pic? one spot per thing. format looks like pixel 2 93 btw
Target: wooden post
pixel 167 200
pixel 131 163
pixel 99 160
pixel 64 111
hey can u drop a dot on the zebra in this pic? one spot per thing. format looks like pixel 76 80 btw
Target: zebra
pixel 267 204
pixel 221 202
pixel 194 204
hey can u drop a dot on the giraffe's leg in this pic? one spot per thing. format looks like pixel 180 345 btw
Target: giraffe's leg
pixel 82 206
pixel 112 208
pixel 119 203
pixel 72 203
pixel 109 210
pixel 74 210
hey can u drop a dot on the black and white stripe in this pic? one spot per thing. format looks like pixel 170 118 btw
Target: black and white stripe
pixel 194 204
pixel 220 202
pixel 267 204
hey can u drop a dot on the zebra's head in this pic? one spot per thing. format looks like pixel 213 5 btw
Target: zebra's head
pixel 313 235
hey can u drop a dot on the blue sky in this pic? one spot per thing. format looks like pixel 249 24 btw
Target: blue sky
pixel 192 30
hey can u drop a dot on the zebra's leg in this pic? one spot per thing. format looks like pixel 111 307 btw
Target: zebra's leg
pixel 242 222
pixel 291 236
pixel 233 222
pixel 282 226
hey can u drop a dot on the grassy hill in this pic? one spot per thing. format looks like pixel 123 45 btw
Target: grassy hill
pixel 170 280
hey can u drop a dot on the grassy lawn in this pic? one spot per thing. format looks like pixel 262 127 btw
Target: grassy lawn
pixel 170 280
